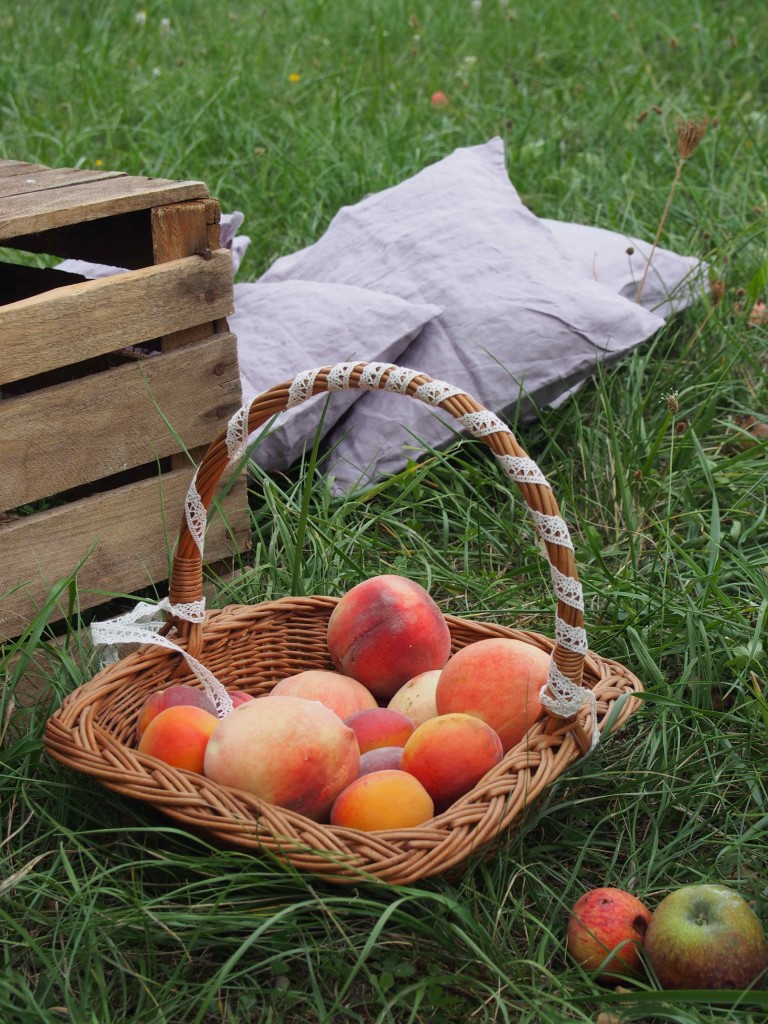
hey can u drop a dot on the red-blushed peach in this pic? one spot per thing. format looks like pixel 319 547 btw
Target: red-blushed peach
pixel 498 680
pixel 450 754
pixel 386 630
pixel 604 920
pixel 380 727
pixel 381 758
pixel 179 736
pixel 383 800
pixel 288 751
pixel 341 694
pixel 171 697
pixel 416 698
pixel 239 697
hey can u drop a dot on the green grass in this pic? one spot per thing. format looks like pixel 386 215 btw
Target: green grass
pixel 108 912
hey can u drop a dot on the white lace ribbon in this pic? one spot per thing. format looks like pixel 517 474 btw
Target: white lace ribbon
pixel 562 697
pixel 140 625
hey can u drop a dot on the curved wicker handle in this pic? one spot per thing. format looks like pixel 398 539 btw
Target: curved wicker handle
pixel 186 587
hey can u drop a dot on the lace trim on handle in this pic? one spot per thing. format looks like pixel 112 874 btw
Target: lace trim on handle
pixel 567 588
pixel 482 423
pixel 436 391
pixel 572 638
pixel 301 387
pixel 400 378
pixel 552 529
pixel 237 434
pixel 370 378
pixel 339 376
pixel 522 469
pixel 139 626
pixel 195 513
pixel 562 697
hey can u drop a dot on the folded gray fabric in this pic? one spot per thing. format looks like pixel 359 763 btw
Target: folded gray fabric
pixel 523 319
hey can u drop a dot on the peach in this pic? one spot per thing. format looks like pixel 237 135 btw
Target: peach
pixel 497 680
pixel 287 751
pixel 386 630
pixel 382 800
pixel 179 736
pixel 380 727
pixel 417 698
pixel 450 754
pixel 380 758
pixel 239 697
pixel 171 696
pixel 340 693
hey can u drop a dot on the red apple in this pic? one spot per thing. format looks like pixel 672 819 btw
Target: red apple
pixel 706 936
pixel 603 922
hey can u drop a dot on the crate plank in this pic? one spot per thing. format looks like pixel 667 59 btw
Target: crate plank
pixel 119 535
pixel 19 167
pixel 80 321
pixel 74 204
pixel 93 427
pixel 38 181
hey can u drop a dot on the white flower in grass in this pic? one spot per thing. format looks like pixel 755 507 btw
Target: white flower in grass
pixel 165 26
pixel 141 17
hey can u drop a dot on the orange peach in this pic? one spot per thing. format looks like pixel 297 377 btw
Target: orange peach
pixel 450 754
pixel 386 630
pixel 417 698
pixel 170 697
pixel 498 680
pixel 340 693
pixel 288 751
pixel 380 727
pixel 179 736
pixel 382 800
pixel 380 758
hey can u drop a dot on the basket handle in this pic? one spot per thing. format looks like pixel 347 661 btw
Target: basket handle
pixel 186 584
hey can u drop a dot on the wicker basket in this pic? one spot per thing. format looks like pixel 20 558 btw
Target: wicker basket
pixel 252 647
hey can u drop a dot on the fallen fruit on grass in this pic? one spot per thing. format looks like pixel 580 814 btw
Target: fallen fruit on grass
pixel 416 698
pixel 383 800
pixel 379 727
pixel 170 697
pixel 179 736
pixel 449 755
pixel 341 694
pixel 706 936
pixel 386 630
pixel 497 680
pixel 294 753
pixel 381 758
pixel 608 921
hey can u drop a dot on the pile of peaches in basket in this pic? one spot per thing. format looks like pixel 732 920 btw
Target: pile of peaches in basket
pixel 398 733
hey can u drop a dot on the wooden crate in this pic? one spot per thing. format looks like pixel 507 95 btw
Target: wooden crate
pixel 107 386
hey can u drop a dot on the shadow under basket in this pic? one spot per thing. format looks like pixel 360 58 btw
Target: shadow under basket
pixel 251 647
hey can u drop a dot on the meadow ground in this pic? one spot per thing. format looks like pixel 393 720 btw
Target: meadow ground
pixel 288 110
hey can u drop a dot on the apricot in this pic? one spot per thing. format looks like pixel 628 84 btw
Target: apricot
pixel 450 754
pixel 386 630
pixel 497 680
pixel 381 758
pixel 340 693
pixel 170 697
pixel 416 698
pixel 382 800
pixel 288 751
pixel 179 736
pixel 380 727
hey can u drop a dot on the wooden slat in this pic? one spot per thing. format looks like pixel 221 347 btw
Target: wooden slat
pixel 19 167
pixel 38 181
pixel 43 211
pixel 83 320
pixel 87 429
pixel 124 533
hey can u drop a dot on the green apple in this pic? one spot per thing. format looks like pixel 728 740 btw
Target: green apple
pixel 705 937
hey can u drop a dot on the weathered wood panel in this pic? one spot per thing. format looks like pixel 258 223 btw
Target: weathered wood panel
pixel 123 538
pixel 71 324
pixel 93 427
pixel 43 211
pixel 29 182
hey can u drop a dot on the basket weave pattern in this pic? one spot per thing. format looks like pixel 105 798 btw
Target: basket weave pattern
pixel 252 647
